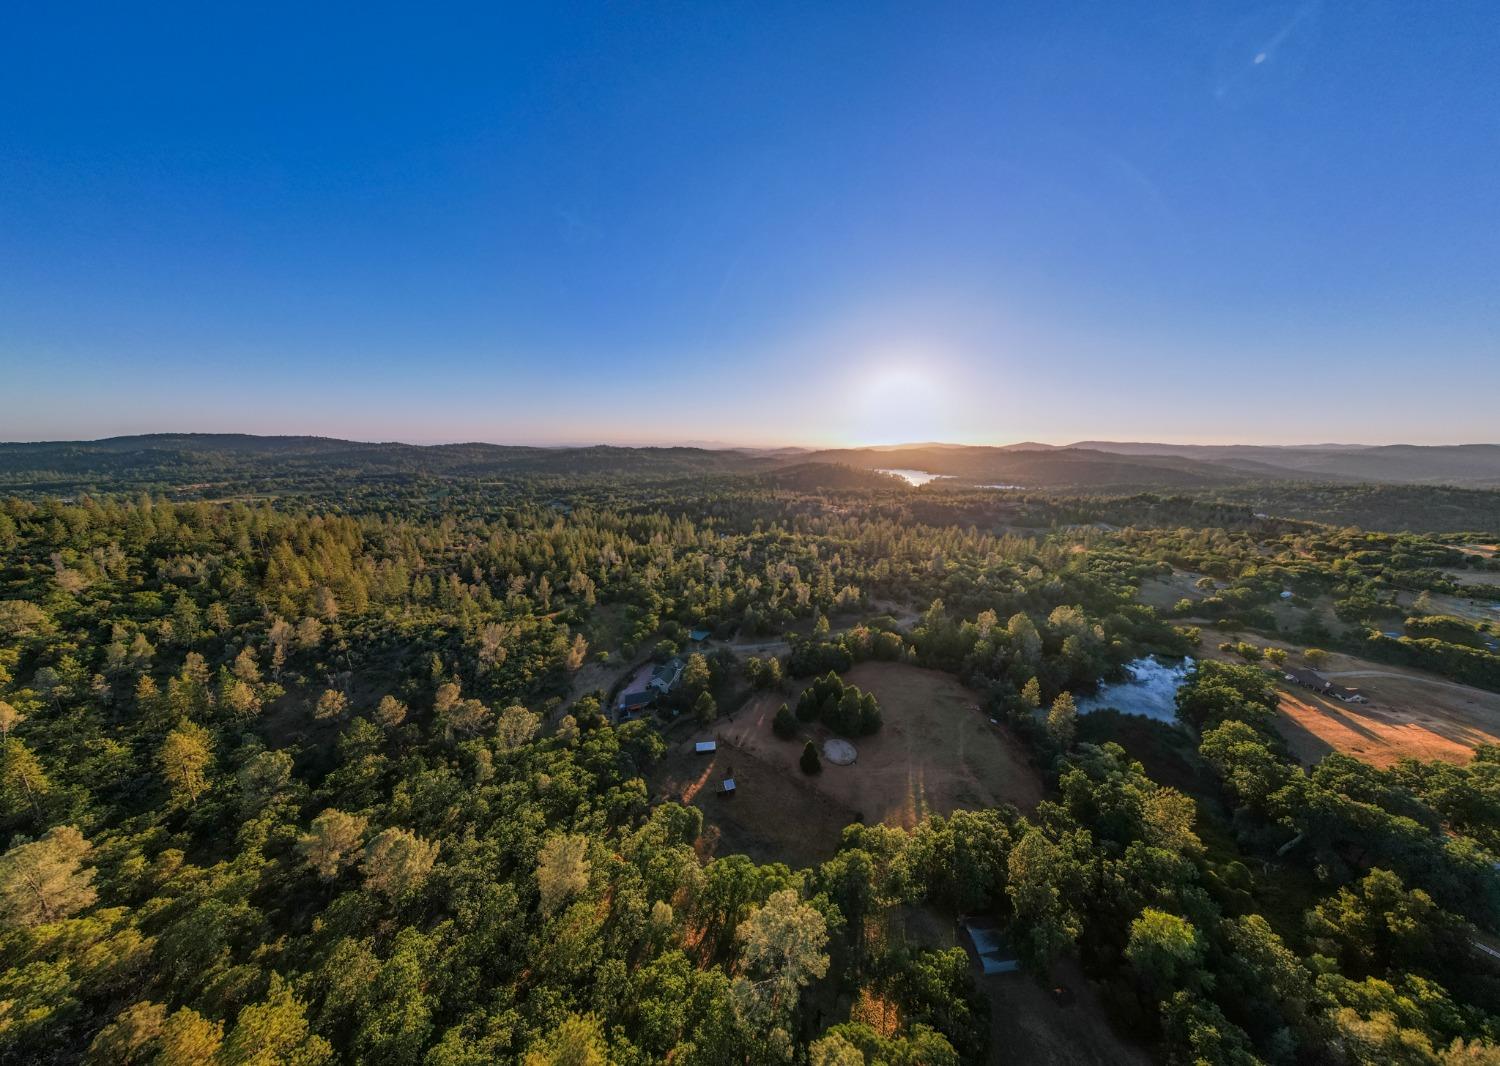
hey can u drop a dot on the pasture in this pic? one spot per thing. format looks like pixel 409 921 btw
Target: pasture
pixel 937 751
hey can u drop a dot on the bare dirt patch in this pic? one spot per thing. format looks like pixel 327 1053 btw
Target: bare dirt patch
pixel 936 753
pixel 773 816
pixel 1411 714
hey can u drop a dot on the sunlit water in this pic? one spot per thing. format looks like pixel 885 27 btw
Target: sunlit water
pixel 1151 690
pixel 915 477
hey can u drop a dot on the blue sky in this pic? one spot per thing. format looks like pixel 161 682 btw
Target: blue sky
pixel 753 223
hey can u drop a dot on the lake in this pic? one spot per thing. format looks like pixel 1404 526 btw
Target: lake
pixel 914 477
pixel 1151 691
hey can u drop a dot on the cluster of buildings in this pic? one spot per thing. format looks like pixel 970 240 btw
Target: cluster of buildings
pixel 653 681
pixel 648 683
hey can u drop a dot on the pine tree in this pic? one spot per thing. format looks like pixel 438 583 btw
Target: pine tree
pixel 185 757
pixel 398 861
pixel 333 842
pixel 1062 720
pixel 23 782
pixel 45 880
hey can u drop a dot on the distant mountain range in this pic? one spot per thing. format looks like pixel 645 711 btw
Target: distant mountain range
pixel 1110 463
pixel 186 458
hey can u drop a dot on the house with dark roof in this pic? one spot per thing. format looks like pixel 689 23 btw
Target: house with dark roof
pixel 631 705
pixel 664 678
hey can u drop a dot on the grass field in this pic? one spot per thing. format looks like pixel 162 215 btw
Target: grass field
pixel 1410 713
pixel 937 752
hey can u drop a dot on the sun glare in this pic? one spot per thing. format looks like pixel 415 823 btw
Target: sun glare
pixel 898 405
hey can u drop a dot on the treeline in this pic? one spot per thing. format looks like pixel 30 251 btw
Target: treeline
pixel 1469 665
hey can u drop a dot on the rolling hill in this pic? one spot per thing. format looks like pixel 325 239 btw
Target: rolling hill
pixel 243 460
pixel 1471 465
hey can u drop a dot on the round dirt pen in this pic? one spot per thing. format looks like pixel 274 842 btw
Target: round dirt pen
pixel 839 752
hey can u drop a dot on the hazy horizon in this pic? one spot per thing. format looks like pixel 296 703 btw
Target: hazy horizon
pixel 790 445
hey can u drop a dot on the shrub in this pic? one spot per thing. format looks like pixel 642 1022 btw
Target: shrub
pixel 811 762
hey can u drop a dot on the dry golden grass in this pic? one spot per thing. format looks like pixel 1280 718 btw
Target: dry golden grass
pixel 1410 713
pixel 937 751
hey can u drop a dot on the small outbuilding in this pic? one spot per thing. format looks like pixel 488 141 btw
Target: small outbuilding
pixel 706 746
pixel 727 787
pixel 995 955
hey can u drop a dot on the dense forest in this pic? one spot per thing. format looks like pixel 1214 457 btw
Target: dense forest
pixel 323 775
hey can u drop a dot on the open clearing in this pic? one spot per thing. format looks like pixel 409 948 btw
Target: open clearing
pixel 773 816
pixel 1410 713
pixel 1473 610
pixel 1488 578
pixel 936 753
pixel 1026 1023
pixel 1163 593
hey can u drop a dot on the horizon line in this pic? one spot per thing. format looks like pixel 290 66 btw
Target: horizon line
pixel 707 445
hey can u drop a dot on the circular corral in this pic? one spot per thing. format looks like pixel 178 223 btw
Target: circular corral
pixel 839 752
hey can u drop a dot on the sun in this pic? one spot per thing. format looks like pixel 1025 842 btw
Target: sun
pixel 901 404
